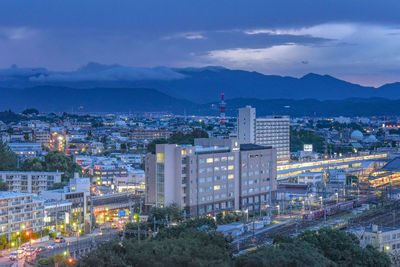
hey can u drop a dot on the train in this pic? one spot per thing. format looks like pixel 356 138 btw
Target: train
pixel 336 208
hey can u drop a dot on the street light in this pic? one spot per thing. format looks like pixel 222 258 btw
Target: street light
pixel 279 211
pixel 322 202
pixel 337 198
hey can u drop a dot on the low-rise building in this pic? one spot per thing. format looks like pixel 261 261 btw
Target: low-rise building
pixel 20 212
pixel 385 239
pixel 26 150
pixel 30 182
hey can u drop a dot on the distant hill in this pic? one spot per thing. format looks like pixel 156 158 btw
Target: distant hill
pixel 199 85
pixel 58 99
pixel 310 107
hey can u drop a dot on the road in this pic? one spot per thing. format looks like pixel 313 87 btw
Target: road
pixel 5 261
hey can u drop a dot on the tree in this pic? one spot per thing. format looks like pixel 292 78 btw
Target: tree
pixel 344 248
pixel 178 138
pixel 301 137
pixel 53 161
pixel 57 161
pixel 293 253
pixel 190 248
pixel 33 164
pixel 8 159
pixel 30 111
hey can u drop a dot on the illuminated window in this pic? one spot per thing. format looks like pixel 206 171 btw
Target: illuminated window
pixel 183 152
pixel 231 176
pixel 230 167
pixel 210 160
pixel 160 157
pixel 217 187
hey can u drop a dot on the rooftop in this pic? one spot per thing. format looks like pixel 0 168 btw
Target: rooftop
pixel 247 147
pixel 393 165
pixel 8 194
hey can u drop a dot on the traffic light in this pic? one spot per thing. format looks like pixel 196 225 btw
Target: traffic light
pixel 70 260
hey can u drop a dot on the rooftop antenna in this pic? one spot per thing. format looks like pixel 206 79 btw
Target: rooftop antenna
pixel 222 110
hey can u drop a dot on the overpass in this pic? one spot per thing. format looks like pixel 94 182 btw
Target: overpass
pixel 294 169
pixel 122 200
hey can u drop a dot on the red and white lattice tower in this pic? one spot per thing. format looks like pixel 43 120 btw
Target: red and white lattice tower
pixel 222 110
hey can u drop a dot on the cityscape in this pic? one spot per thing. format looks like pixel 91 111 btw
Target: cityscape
pixel 183 133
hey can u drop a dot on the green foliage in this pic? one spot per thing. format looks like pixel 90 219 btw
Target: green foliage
pixel 295 253
pixel 52 261
pixel 344 248
pixel 33 164
pixel 301 137
pixel 53 161
pixel 172 212
pixel 190 248
pixel 229 218
pixel 200 224
pixel 178 138
pixel 9 116
pixel 30 111
pixel 8 159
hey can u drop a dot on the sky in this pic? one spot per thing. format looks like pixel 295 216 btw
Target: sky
pixel 357 40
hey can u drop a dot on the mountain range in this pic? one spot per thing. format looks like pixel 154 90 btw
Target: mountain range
pixel 111 88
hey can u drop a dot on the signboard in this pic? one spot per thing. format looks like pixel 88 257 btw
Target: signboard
pixel 121 213
pixel 308 147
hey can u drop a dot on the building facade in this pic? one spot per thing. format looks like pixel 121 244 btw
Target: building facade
pixel 268 131
pixel 30 182
pixel 20 212
pixel 212 176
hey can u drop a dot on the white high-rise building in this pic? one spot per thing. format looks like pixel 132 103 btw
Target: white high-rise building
pixel 268 131
pixel 212 176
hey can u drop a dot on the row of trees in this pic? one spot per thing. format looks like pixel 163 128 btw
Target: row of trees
pixel 178 138
pixel 301 137
pixel 195 242
pixel 53 161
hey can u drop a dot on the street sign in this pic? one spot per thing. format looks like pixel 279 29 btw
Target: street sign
pixel 121 213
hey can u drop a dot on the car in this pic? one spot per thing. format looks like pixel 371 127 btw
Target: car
pixel 30 252
pixel 21 250
pixel 51 247
pixel 13 256
pixel 40 249
pixel 59 240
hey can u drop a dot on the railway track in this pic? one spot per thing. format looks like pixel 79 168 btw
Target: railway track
pixel 382 216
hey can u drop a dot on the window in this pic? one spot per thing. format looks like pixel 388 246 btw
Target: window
pixel 216 159
pixel 201 161
pixel 231 176
pixel 202 180
pixel 217 187
pixel 224 158
pixel 223 168
pixel 209 179
pixel 230 158
pixel 210 160
pixel 230 167
pixel 201 170
pixel 216 169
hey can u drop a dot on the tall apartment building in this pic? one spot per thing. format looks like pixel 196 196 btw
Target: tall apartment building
pixel 20 212
pixel 212 176
pixel 30 182
pixel 268 131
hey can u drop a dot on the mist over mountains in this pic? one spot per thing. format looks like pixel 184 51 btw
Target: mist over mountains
pixel 113 88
